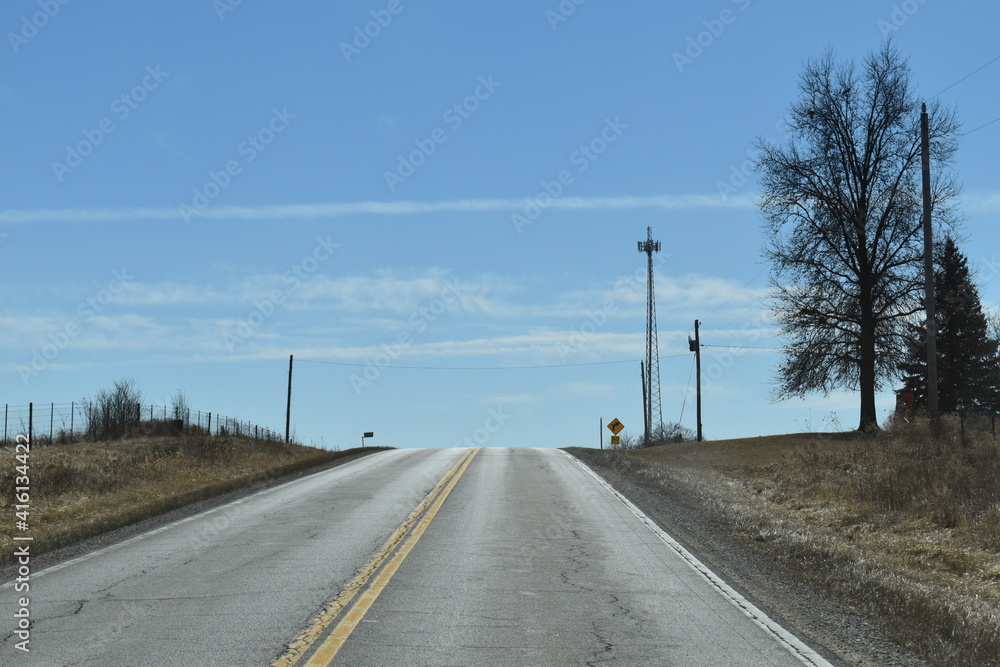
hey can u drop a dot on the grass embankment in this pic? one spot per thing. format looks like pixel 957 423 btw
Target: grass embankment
pixel 84 489
pixel 906 531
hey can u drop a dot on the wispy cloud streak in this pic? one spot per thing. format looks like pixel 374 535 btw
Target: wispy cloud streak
pixel 339 209
pixel 981 202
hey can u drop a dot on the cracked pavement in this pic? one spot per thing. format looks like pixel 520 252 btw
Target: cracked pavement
pixel 531 560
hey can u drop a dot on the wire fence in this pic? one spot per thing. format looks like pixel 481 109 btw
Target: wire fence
pixel 69 422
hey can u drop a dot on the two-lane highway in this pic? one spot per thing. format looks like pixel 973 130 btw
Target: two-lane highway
pixel 407 557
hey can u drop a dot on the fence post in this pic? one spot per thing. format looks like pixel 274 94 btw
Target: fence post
pixel 72 412
pixel 52 420
pixel 209 423
pixel 6 406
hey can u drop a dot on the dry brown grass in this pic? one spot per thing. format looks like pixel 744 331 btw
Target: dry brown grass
pixel 84 489
pixel 905 529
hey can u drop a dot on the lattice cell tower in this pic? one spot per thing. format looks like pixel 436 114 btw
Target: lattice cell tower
pixel 653 416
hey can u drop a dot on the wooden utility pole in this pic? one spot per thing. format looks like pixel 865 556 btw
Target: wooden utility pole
pixel 925 163
pixel 697 364
pixel 288 408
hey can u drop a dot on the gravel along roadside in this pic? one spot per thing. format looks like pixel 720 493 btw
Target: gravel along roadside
pixel 690 504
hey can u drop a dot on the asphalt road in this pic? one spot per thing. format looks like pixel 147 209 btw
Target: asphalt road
pixel 406 557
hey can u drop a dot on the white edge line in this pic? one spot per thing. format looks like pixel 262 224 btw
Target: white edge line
pixel 794 645
pixel 156 531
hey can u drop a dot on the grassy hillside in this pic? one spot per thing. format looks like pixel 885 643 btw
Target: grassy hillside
pixel 905 530
pixel 84 489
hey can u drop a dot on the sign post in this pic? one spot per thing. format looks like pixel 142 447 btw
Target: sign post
pixel 615 427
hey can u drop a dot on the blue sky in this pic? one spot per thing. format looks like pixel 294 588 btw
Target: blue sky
pixel 194 191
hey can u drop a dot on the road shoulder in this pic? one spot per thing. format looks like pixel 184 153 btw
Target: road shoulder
pixel 677 501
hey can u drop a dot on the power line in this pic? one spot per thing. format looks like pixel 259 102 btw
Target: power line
pixel 966 77
pixel 741 315
pixel 628 396
pixel 978 69
pixel 469 368
pixel 745 347
pixel 738 292
pixel 686 392
pixel 980 127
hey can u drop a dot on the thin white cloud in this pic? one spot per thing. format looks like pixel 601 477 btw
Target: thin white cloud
pixel 508 399
pixel 170 293
pixel 162 141
pixel 339 209
pixel 981 202
pixel 584 389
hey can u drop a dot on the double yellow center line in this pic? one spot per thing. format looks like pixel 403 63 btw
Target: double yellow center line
pixel 411 529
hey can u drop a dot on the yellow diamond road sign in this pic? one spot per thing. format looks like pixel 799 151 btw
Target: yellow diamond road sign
pixel 615 426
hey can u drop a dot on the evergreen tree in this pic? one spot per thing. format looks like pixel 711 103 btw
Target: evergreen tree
pixel 968 359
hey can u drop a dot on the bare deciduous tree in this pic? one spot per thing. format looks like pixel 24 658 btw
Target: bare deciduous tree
pixel 115 411
pixel 180 407
pixel 842 209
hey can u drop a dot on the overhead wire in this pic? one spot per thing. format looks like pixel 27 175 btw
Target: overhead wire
pixel 470 368
pixel 980 127
pixel 738 292
pixel 975 71
pixel 747 347
pixel 686 392
pixel 628 396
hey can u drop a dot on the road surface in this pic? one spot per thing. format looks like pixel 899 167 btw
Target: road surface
pixel 405 557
